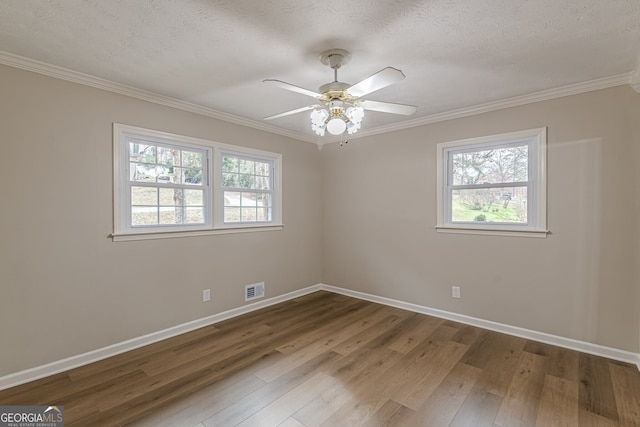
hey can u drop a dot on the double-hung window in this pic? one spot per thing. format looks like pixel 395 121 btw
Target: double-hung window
pixel 494 184
pixel 247 188
pixel 168 185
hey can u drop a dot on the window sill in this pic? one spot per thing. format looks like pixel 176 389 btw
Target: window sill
pixel 541 234
pixel 152 235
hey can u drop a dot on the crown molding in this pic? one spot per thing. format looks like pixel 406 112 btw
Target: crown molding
pixel 544 95
pixel 108 85
pixel 16 61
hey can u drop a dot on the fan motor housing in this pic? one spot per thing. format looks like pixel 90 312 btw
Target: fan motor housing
pixel 333 87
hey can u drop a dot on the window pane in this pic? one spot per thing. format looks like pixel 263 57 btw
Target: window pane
pixel 195 216
pixel 192 176
pixel 176 175
pixel 229 164
pixel 172 215
pixel 246 166
pixel 192 160
pixel 231 214
pixel 142 153
pixel 231 198
pixel 263 168
pixel 245 181
pixel 142 172
pixel 508 205
pixel 230 180
pixel 164 174
pixel 144 196
pixel 264 214
pixel 248 199
pixel 170 196
pixel 494 166
pixel 144 216
pixel 262 183
pixel 264 199
pixel 168 156
pixel 194 197
pixel 248 215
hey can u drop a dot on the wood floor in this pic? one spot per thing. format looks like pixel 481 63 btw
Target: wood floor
pixel 329 360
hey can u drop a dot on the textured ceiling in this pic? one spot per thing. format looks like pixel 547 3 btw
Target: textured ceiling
pixel 455 53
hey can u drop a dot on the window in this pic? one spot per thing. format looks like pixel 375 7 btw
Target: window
pixel 494 184
pixel 170 185
pixel 165 185
pixel 247 188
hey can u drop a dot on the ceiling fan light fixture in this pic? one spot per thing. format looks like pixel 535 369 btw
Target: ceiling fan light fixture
pixel 336 126
pixel 340 106
pixel 355 115
pixel 319 121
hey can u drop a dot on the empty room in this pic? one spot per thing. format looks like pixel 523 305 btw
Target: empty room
pixel 296 213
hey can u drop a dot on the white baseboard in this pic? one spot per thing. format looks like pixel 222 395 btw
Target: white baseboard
pixel 58 366
pixel 569 343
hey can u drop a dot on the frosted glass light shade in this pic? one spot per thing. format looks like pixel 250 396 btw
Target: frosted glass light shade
pixel 336 126
pixel 318 118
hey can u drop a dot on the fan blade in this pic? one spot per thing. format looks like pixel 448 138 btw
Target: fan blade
pixel 293 88
pixel 379 80
pixel 389 107
pixel 288 113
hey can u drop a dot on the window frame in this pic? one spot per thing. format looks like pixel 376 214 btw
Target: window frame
pixel 536 225
pixel 213 224
pixel 220 223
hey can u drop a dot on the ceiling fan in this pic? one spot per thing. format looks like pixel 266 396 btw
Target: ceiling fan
pixel 340 105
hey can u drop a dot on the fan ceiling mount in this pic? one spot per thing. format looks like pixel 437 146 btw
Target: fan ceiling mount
pixel 341 106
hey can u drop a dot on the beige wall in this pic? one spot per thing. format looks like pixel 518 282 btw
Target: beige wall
pixel 359 216
pixel 581 282
pixel 65 287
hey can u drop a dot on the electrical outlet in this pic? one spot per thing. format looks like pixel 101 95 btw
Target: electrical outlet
pixel 206 295
pixel 455 292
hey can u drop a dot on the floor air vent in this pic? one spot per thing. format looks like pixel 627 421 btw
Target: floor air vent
pixel 254 291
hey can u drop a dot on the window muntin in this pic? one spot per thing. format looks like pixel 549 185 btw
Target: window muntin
pixel 493 183
pixel 247 189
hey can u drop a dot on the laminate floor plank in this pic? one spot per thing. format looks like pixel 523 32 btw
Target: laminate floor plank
pixel 280 409
pixel 596 389
pixel 326 342
pixel 479 409
pixel 203 404
pixel 369 334
pixel 626 388
pixel 520 405
pixel 445 401
pixel 558 403
pixel 333 360
pixel 429 376
pixel 498 355
pixel 244 408
pixel 366 313
pixel 366 364
pixel 413 332
pixel 390 414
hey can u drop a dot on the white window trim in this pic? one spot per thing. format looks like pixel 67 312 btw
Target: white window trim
pixel 213 224
pixel 537 226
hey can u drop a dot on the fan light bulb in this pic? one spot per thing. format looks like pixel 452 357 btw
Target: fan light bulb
pixel 336 126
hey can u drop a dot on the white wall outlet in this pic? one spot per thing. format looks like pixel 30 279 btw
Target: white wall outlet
pixel 206 295
pixel 455 291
